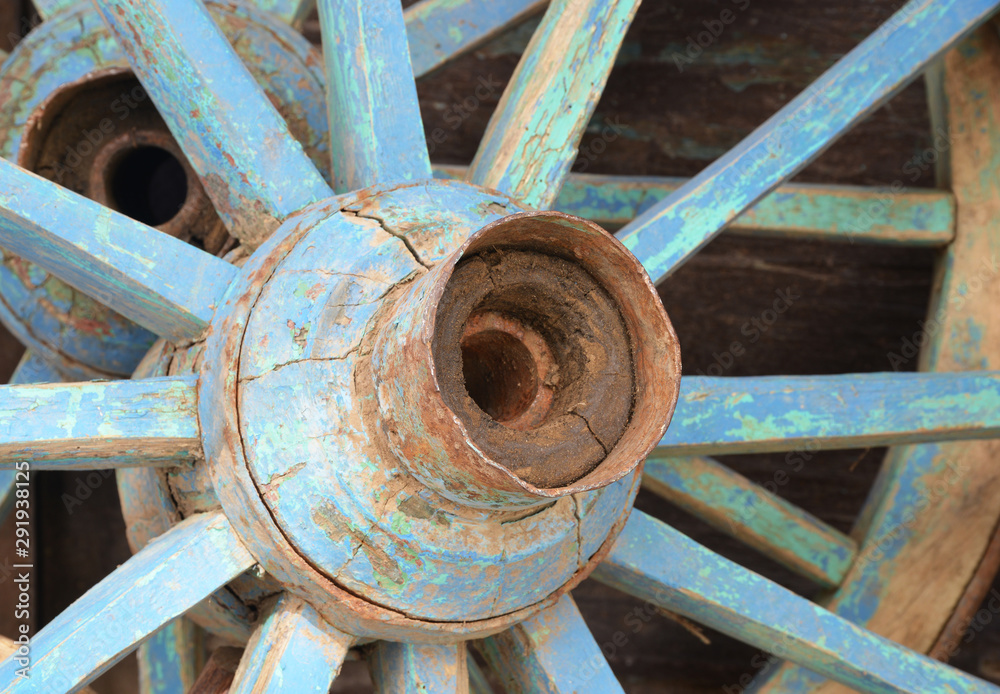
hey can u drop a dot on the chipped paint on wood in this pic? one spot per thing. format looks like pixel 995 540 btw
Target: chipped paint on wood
pixel 406 668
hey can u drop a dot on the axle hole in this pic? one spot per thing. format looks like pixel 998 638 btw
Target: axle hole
pixel 149 185
pixel 500 374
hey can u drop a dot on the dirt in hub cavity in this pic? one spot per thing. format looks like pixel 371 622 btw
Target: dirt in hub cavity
pixel 593 380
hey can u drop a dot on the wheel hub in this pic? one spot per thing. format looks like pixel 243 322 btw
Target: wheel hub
pixel 426 392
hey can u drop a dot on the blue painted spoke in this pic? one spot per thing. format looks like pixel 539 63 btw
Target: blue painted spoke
pixel 294 12
pixel 551 653
pixel 409 668
pixel 170 576
pixel 47 8
pixel 376 134
pixel 532 138
pixel 786 413
pixel 255 172
pixel 654 562
pixel 668 234
pixel 168 660
pixel 441 29
pixel 100 424
pixel 750 513
pixel 294 651
pixel 33 369
pixel 161 283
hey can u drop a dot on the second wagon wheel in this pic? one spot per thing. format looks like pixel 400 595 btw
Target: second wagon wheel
pixel 423 405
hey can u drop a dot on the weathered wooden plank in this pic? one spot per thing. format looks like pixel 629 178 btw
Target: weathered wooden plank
pixel 654 562
pixel 736 506
pixel 217 675
pixel 936 506
pixel 367 67
pixel 786 413
pixel 47 8
pixel 9 646
pixel 157 585
pixel 294 12
pixel 796 210
pixel 551 653
pixel 409 668
pixel 253 169
pixel 170 659
pixel 294 651
pixel 670 232
pixel 100 424
pixel 156 280
pixel 533 136
pixel 439 30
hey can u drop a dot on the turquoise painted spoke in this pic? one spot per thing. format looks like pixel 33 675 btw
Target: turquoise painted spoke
pixel 410 668
pixel 376 134
pixel 654 562
pixel 796 211
pixel 441 29
pixel 47 8
pixel 169 659
pixel 746 511
pixel 161 283
pixel 551 653
pixel 100 424
pixel 170 576
pixel 294 12
pixel 667 234
pixel 294 651
pixel 787 413
pixel 255 172
pixel 532 138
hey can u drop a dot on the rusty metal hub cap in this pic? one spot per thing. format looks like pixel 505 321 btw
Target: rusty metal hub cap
pixel 434 405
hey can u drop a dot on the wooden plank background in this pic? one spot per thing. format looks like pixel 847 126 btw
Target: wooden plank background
pixel 854 305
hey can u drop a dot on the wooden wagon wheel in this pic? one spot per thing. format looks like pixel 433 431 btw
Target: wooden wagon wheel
pixel 331 408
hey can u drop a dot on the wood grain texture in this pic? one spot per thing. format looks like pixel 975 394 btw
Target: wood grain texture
pixel 155 586
pixel 936 506
pixel 158 281
pixel 407 668
pixel 654 562
pixel 368 67
pixel 796 211
pixel 9 646
pixel 170 659
pixel 439 30
pixel 667 234
pixel 100 424
pixel 532 138
pixel 788 413
pixel 551 653
pixel 736 506
pixel 217 675
pixel 293 651
pixel 252 168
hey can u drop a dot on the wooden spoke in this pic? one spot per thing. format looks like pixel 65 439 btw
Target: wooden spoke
pixel 736 506
pixel 170 659
pixel 47 8
pixel 368 67
pixel 294 12
pixel 9 646
pixel 100 424
pixel 406 668
pixel 788 413
pixel 478 682
pixel 160 583
pixel 667 234
pixel 161 283
pixel 292 651
pixel 795 211
pixel 252 168
pixel 217 675
pixel 532 138
pixel 439 30
pixel 33 369
pixel 654 562
pixel 553 652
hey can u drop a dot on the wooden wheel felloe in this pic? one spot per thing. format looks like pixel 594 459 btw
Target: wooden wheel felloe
pixel 313 397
